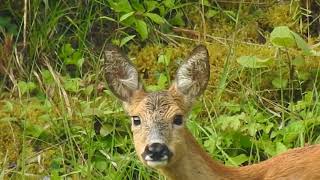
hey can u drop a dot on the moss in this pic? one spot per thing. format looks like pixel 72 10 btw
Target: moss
pixel 10 143
pixel 280 15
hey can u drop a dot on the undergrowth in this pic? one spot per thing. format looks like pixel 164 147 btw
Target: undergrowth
pixel 59 120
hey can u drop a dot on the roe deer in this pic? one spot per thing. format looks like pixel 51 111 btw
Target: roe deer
pixel 162 140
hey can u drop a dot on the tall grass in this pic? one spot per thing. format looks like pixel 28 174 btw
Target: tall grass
pixel 70 126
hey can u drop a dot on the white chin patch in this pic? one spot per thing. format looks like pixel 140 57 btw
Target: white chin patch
pixel 156 164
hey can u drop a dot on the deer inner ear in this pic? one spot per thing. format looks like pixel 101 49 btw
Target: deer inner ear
pixel 121 76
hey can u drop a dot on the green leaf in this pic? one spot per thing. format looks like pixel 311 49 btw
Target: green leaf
pixel 211 13
pixel 106 129
pixel 107 18
pixel 303 75
pixel 67 50
pixel 142 29
pixel 76 59
pixel 162 80
pixel 137 5
pixel 88 90
pixel 280 148
pixel 120 6
pixel 292 131
pixel 155 18
pixel 253 62
pixel 72 84
pixel 177 20
pixel 126 39
pixel 13 29
pixel 4 21
pixel 151 5
pixel 230 122
pixel 25 87
pixel 237 160
pixel 169 3
pixel 298 61
pixel 33 130
pixel 101 165
pixel 125 16
pixel 47 77
pixel 301 43
pixel 282 36
pixel 163 59
pixel 8 106
pixel 279 83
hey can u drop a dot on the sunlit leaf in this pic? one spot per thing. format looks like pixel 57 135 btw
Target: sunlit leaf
pixel 155 18
pixel 282 36
pixel 120 6
pixel 151 5
pixel 142 29
pixel 125 16
pixel 253 62
pixel 126 39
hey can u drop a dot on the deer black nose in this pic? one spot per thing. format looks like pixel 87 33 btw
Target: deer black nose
pixel 156 152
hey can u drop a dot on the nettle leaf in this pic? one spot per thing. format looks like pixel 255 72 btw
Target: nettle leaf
pixel 155 18
pixel 282 36
pixel 142 29
pixel 279 83
pixel 253 62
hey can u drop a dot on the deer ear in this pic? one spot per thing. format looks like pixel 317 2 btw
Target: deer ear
pixel 193 75
pixel 122 77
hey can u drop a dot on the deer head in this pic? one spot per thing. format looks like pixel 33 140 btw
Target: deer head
pixel 158 118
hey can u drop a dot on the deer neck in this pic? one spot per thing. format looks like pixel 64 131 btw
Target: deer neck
pixel 196 164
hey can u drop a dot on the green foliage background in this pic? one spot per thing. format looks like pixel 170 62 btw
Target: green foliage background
pixel 59 120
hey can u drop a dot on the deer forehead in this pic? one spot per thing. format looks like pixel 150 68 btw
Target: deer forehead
pixel 155 106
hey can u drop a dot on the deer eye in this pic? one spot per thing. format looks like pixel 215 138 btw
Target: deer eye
pixel 178 120
pixel 136 120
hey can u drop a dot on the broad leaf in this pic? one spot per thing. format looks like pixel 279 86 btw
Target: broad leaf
pixel 252 62
pixel 279 83
pixel 142 29
pixel 282 36
pixel 120 6
pixel 155 18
